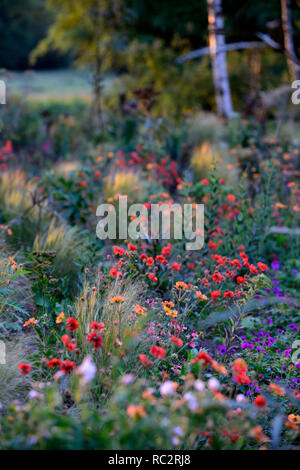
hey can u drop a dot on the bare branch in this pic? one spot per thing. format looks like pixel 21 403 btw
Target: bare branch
pixel 235 46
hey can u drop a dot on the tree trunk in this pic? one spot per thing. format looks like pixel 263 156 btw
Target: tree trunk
pixel 286 18
pixel 218 57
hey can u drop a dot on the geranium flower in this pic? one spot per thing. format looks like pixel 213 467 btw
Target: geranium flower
pixel 24 368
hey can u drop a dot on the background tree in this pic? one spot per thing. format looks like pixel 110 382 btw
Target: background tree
pixel 91 30
pixel 292 60
pixel 218 57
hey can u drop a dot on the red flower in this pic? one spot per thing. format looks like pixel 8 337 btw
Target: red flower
pixel 24 368
pixel 97 326
pixel 176 266
pixel 260 401
pixel 262 266
pixel 242 378
pixel 70 345
pixel 152 277
pixel 118 250
pixel 54 363
pixel 147 362
pixel 95 339
pixel 240 280
pixel 158 352
pixel 67 366
pixel 215 294
pixel 115 273
pixel 231 198
pixel 253 269
pixel 203 358
pixel 240 366
pixel 72 324
pixel 162 259
pixel 150 261
pixel 217 277
pixel 228 294
pixel 166 250
pixel 131 247
pixel 177 341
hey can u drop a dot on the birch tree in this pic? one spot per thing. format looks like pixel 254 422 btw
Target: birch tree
pixel 218 57
pixel 292 61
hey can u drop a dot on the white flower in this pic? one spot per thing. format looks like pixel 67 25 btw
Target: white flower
pixel 167 388
pixel 86 370
pixel 177 431
pixel 199 385
pixel 213 384
pixel 34 394
pixel 127 379
pixel 191 400
pixel 240 398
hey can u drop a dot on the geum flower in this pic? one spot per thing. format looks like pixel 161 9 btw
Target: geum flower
pixel 140 310
pixel 54 363
pixel 158 352
pixel 177 341
pixel 67 366
pixel 95 339
pixel 24 368
pixel 97 326
pixel 72 324
pixel 147 362
pixel 70 344
pixel 203 358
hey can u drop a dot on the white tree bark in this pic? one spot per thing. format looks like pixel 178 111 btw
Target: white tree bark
pixel 218 57
pixel 292 61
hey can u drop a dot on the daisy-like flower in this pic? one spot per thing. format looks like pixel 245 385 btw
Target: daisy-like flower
pixel 180 285
pixel 117 299
pixel 31 321
pixel 140 310
pixel 60 317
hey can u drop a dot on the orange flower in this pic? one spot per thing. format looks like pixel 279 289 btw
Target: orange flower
pixel 219 368
pixel 136 411
pixel 200 296
pixel 60 317
pixel 170 312
pixel 168 304
pixel 180 285
pixel 240 366
pixel 295 419
pixel 258 434
pixel 140 310
pixel 31 321
pixel 177 341
pixel 276 389
pixel 117 299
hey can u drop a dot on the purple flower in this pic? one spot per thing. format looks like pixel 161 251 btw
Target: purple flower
pixel 275 265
